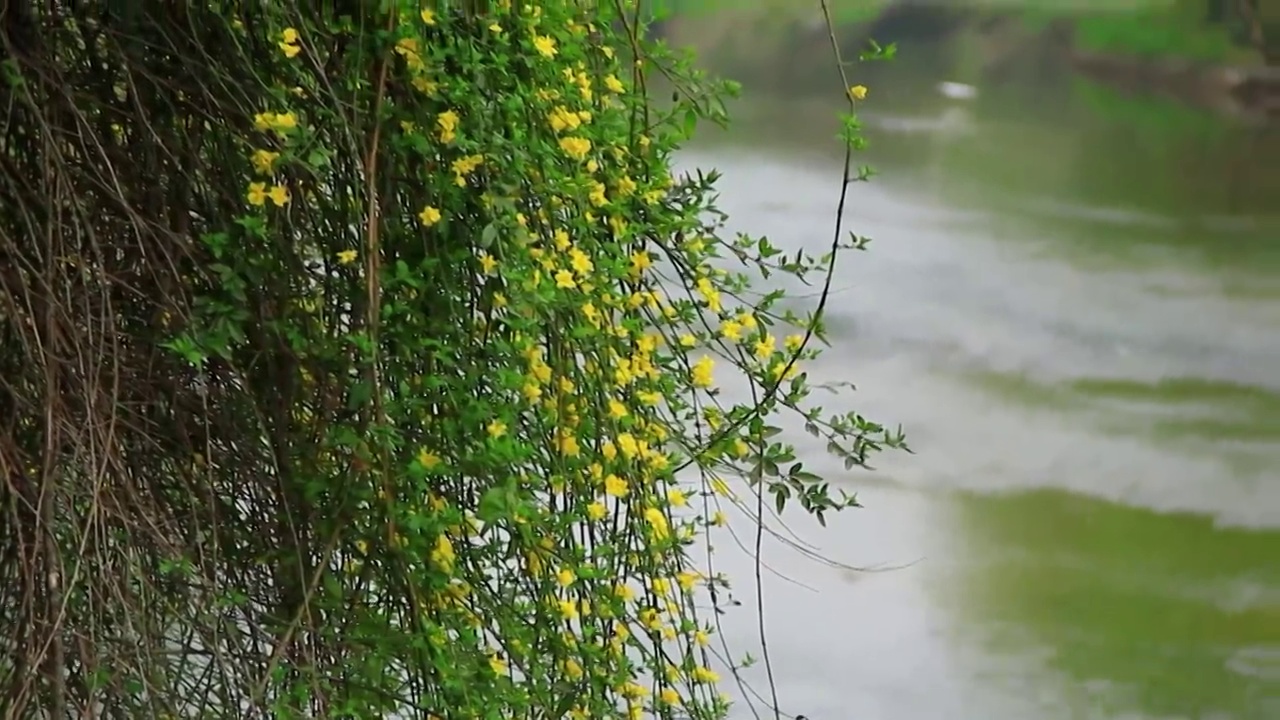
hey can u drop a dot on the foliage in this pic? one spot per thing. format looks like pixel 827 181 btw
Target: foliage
pixel 844 11
pixel 362 361
pixel 1192 29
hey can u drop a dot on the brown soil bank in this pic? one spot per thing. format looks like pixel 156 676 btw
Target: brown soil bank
pixel 1234 89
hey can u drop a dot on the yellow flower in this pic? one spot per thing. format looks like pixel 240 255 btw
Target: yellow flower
pixel 649 618
pixel 496 429
pixel 569 445
pixel 669 696
pixel 257 193
pixel 467 164
pixel 617 409
pixel 532 392
pixel 285 121
pixel 658 461
pixel 408 49
pixel 780 371
pixel 426 458
pixel 495 27
pixel 657 522
pixel 565 577
pixel 597 510
pixel 705 675
pixel 627 443
pixel 573 669
pixel 428 17
pixel 546 46
pixel 676 498
pixel 497 664
pixel 701 638
pixel 424 85
pixel 731 330
pixel 279 195
pixel 346 257
pixel 709 293
pixel 580 262
pixel 487 263
pixel 765 347
pixel 289 43
pixel 447 123
pixel 568 609
pixel 615 486
pixel 858 92
pixel 640 261
pixel 464 166
pixel 562 119
pixel 794 342
pixel 687 579
pixel 597 194
pixel 429 216
pixel 575 147
pixel 564 279
pixel 701 372
pixel 624 592
pixel 264 161
pixel 442 554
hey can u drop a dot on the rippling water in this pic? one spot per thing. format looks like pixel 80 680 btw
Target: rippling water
pixel 1078 322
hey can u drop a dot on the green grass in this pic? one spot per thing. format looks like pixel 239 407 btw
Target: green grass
pixel 842 11
pixel 1144 28
pixel 1153 34
pixel 1150 28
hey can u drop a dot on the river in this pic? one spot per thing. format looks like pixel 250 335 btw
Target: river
pixel 1072 304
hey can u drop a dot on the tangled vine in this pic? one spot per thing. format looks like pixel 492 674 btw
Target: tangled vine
pixel 360 360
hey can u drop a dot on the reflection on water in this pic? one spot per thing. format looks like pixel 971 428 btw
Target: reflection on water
pixel 1073 304
pixel 1162 614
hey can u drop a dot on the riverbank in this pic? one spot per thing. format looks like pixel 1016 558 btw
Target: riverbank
pixel 1172 49
pixel 1237 90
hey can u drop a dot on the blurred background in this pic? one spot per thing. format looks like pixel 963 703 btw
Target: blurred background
pixel 1072 304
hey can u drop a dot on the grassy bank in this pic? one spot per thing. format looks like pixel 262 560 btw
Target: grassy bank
pixel 842 11
pixel 1145 28
pixel 1149 28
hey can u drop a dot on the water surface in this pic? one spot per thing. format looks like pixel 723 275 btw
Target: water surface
pixel 1072 302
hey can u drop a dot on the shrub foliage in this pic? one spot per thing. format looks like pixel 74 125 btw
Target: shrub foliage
pixel 363 360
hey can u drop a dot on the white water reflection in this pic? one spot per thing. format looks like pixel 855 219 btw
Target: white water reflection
pixel 848 644
pixel 946 298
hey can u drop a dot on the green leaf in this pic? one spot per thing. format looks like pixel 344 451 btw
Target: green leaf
pixel 494 505
pixel 359 394
pixel 690 122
